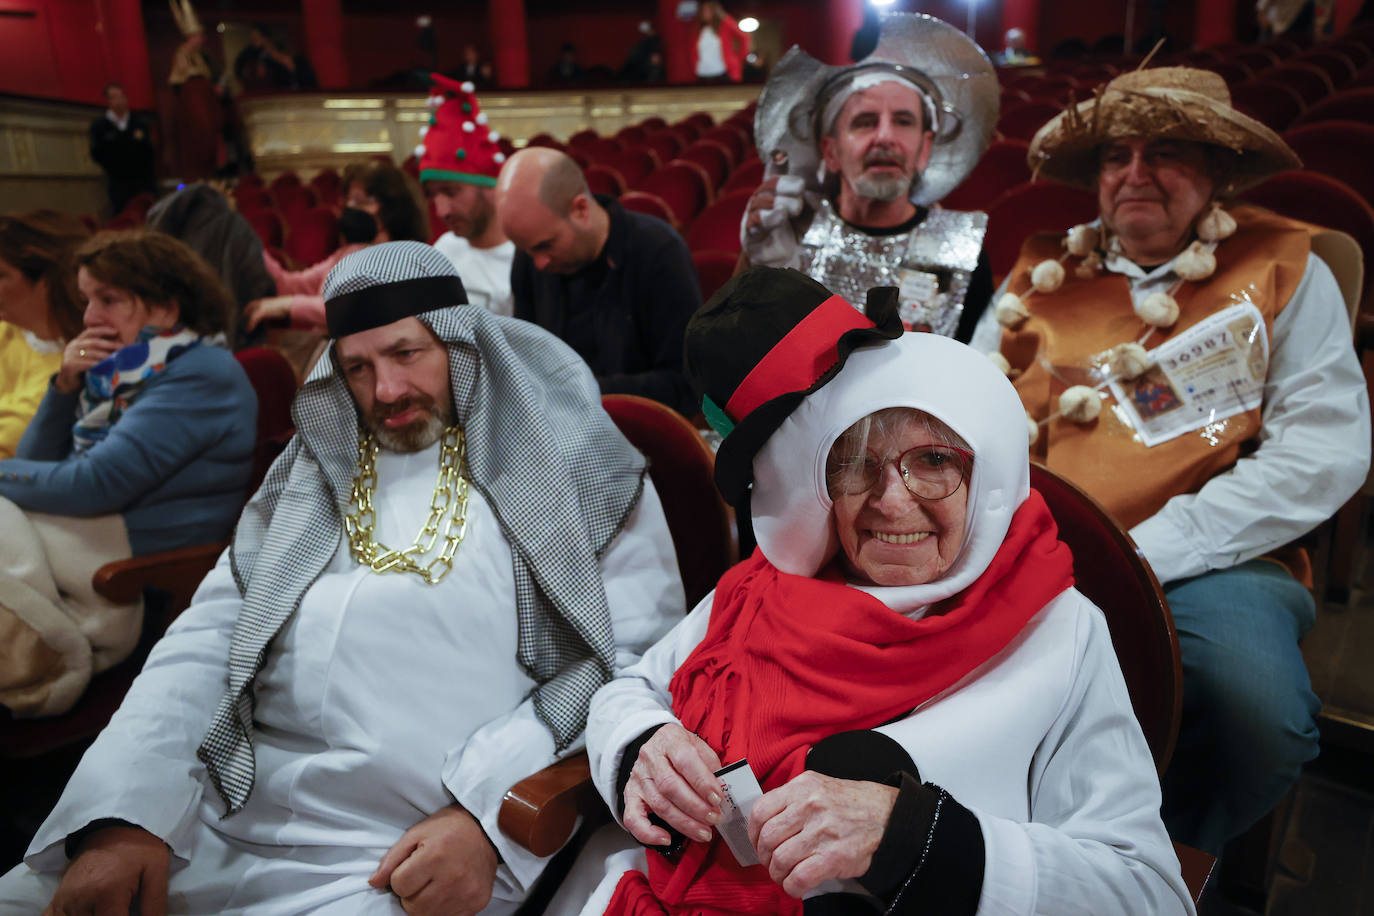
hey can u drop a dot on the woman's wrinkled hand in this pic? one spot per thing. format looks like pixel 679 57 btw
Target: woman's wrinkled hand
pixel 818 827
pixel 673 777
pixel 81 353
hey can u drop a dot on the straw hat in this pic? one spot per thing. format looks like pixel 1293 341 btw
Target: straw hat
pixel 1176 103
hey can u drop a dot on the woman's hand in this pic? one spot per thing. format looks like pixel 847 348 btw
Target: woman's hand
pixel 84 351
pixel 269 308
pixel 818 827
pixel 674 777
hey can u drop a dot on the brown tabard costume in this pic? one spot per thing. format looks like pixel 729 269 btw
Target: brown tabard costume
pixel 1072 329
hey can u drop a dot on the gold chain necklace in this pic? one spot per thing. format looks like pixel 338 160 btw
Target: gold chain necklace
pixel 450 498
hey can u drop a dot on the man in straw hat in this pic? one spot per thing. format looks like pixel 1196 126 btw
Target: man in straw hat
pixel 1188 362
pixel 332 725
pixel 856 158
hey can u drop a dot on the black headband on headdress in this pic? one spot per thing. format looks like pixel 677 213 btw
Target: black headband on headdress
pixel 375 306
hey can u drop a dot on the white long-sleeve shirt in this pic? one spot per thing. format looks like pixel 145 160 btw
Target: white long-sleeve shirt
pixel 1314 441
pixel 1040 743
pixel 382 701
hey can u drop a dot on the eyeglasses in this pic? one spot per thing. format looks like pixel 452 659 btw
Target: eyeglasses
pixel 928 471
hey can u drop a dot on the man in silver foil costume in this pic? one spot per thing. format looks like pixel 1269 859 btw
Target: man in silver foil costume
pixel 858 156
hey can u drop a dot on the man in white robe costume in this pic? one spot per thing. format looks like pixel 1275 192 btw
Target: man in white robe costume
pixel 361 703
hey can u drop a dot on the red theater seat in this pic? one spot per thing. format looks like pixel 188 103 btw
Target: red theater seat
pixel 1309 81
pixel 1022 121
pixel 683 186
pixel 651 204
pixel 1342 149
pixel 714 269
pixel 314 235
pixel 717 228
pixel 749 175
pixel 666 143
pixel 1042 206
pixel 1275 105
pixel 714 158
pixel 602 179
pixel 267 224
pixel 1002 168
pixel 1350 105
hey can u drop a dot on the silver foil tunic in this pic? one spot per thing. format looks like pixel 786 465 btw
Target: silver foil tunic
pixel 930 264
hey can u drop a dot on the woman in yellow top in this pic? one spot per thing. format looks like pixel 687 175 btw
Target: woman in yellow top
pixel 40 309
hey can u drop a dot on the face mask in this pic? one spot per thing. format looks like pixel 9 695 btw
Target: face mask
pixel 357 225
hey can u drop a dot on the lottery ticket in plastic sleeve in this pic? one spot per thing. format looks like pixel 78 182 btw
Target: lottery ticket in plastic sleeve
pixel 741 790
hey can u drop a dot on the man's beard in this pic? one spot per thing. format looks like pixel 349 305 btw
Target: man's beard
pixel 415 436
pixel 885 188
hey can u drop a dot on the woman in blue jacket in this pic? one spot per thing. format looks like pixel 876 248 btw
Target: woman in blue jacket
pixel 143 442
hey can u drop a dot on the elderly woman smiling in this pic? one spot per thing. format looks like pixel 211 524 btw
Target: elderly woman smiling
pixel 935 716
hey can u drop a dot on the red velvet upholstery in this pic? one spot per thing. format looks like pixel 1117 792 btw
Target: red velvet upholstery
pixel 1110 572
pixel 1342 149
pixel 749 175
pixel 1274 104
pixel 544 140
pixel 314 235
pixel 1338 66
pixel 267 224
pixel 1310 81
pixel 683 186
pixel 292 201
pixel 582 137
pixel 274 382
pixel 652 204
pixel 603 179
pixel 252 197
pixel 1002 168
pixel 600 149
pixel 1350 105
pixel 1041 206
pixel 681 466
pixel 711 156
pixel 717 228
pixel 667 143
pixel 734 140
pixel 284 180
pixel 632 164
pixel 714 268
pixel 1022 121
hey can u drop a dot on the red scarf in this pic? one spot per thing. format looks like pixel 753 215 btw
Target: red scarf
pixel 788 660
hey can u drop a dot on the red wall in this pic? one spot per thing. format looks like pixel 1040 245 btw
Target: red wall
pixel 53 48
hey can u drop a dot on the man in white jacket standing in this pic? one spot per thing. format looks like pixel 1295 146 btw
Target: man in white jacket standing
pixel 332 725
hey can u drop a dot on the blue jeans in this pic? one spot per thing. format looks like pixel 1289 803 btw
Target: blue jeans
pixel 1248 707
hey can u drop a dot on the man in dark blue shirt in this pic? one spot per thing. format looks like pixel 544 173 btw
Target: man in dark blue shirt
pixel 618 287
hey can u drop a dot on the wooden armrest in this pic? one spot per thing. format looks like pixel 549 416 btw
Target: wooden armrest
pixel 177 572
pixel 1197 869
pixel 540 811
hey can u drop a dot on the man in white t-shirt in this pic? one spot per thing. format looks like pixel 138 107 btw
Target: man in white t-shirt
pixel 459 162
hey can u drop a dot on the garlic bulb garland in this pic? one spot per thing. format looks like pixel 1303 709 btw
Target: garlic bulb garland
pixel 1032 429
pixel 1129 360
pixel 1216 225
pixel 1080 404
pixel 1010 310
pixel 1082 241
pixel 1195 263
pixel 1159 310
pixel 1047 276
pixel 1000 361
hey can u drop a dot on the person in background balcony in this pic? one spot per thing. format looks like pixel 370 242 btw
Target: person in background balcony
pixel 144 442
pixel 719 51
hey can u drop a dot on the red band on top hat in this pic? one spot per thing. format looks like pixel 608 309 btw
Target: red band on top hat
pixel 800 358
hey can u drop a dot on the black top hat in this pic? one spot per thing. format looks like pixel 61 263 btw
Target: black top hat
pixel 761 344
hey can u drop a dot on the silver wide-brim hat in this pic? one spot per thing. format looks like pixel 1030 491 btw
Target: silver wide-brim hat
pixel 945 65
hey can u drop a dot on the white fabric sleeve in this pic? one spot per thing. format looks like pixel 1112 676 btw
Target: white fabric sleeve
pixel 638 700
pixel 1095 844
pixel 644 593
pixel 1313 447
pixel 987 333
pixel 143 767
